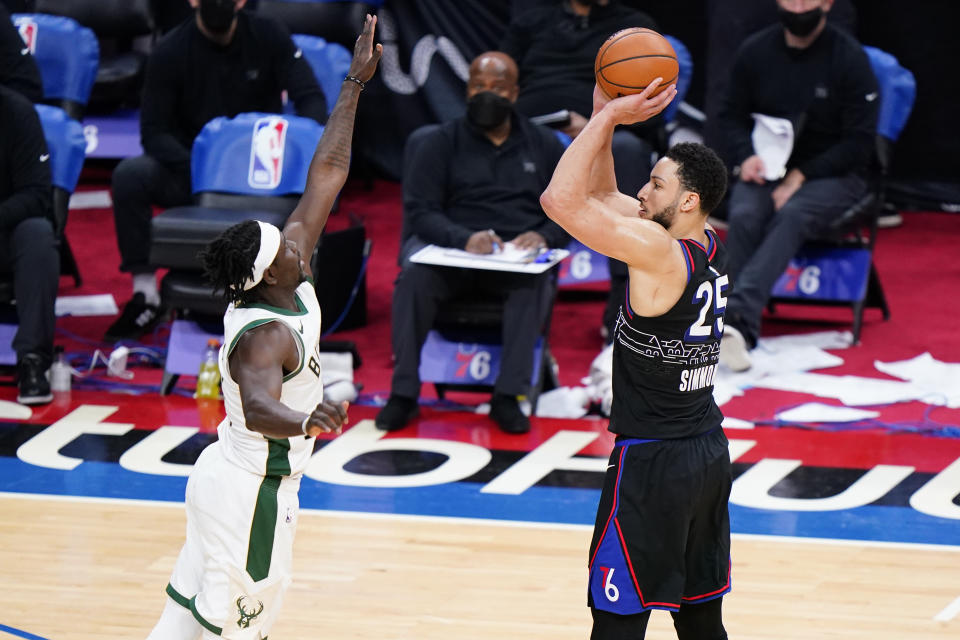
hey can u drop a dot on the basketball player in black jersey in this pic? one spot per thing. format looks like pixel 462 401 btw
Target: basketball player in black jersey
pixel 662 535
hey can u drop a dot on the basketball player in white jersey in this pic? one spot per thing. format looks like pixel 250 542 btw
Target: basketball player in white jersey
pixel 241 499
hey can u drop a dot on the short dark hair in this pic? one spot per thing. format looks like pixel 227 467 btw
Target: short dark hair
pixel 228 260
pixel 702 171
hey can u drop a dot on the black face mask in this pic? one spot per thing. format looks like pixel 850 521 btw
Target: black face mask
pixel 217 15
pixel 487 110
pixel 800 24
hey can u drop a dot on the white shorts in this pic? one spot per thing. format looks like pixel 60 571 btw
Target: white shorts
pixel 236 563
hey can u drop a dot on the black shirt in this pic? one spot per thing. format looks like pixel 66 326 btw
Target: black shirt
pixel 25 187
pixel 827 90
pixel 190 80
pixel 663 367
pixel 18 69
pixel 459 182
pixel 555 50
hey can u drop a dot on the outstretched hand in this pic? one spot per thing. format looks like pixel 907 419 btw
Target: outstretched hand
pixel 365 54
pixel 327 418
pixel 634 108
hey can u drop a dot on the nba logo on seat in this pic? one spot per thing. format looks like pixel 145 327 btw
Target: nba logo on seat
pixel 28 31
pixel 266 152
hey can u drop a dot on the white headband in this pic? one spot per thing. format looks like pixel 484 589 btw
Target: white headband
pixel 269 245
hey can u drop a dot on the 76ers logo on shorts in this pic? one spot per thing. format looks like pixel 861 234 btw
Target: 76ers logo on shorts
pixel 28 31
pixel 266 152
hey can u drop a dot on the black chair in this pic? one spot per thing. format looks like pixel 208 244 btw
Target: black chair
pixel 837 269
pixel 116 24
pixel 337 21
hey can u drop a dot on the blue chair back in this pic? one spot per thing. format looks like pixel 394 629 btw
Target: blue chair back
pixel 898 90
pixel 66 145
pixel 684 75
pixel 329 61
pixel 68 54
pixel 256 154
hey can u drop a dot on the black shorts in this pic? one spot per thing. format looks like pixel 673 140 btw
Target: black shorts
pixel 662 536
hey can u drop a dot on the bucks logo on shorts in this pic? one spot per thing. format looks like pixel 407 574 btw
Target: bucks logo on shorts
pixel 248 611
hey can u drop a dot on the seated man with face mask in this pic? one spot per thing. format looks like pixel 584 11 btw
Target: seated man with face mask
pixel 474 183
pixel 221 61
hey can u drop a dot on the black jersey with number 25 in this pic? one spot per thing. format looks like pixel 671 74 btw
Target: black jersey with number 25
pixel 663 367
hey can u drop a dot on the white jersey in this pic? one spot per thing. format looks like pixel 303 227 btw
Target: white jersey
pixel 302 388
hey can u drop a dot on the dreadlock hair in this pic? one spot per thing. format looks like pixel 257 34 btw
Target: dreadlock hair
pixel 702 171
pixel 228 260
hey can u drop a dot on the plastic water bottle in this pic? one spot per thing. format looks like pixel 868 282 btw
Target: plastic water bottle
pixel 208 379
pixel 60 371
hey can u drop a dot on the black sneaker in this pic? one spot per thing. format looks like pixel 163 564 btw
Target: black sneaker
pixel 505 411
pixel 397 413
pixel 32 384
pixel 137 318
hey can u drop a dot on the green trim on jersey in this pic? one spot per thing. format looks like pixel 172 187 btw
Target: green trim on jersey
pixel 177 597
pixel 263 527
pixel 278 457
pixel 303 355
pixel 247 327
pixel 302 309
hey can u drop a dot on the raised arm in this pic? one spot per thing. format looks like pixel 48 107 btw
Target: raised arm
pixel 582 196
pixel 331 161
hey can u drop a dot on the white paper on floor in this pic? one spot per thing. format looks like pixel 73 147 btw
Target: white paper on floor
pixel 90 200
pixel 853 391
pixel 819 412
pixel 101 304
pixel 940 381
pixel 337 376
pixel 565 402
pixel 14 411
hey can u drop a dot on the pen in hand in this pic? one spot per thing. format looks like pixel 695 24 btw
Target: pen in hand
pixel 494 240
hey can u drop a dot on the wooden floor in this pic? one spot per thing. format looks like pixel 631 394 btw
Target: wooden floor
pixel 92 570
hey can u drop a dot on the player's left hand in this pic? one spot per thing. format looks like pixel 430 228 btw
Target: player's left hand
pixel 365 54
pixel 638 107
pixel 529 240
pixel 327 417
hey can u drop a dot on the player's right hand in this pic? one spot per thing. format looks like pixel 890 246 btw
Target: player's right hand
pixel 328 417
pixel 639 107
pixel 752 170
pixel 365 54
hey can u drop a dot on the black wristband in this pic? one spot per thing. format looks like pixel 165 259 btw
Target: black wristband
pixel 357 80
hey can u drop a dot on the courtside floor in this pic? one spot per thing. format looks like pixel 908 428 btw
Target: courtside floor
pixel 450 529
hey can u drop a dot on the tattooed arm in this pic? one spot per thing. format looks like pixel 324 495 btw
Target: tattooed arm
pixel 331 161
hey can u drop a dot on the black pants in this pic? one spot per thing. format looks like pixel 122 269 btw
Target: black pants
pixel 139 183
pixel 422 289
pixel 761 241
pixel 631 163
pixel 702 621
pixel 31 252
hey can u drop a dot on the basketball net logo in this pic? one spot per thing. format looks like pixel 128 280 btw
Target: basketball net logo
pixel 28 31
pixel 266 152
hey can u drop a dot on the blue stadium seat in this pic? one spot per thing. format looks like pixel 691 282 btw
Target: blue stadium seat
pixel 838 269
pixel 329 61
pixel 250 167
pixel 67 54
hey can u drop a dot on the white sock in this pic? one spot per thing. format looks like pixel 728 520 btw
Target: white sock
pixel 146 283
pixel 176 623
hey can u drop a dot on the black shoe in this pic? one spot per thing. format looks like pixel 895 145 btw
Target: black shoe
pixel 137 318
pixel 505 411
pixel 397 413
pixel 32 385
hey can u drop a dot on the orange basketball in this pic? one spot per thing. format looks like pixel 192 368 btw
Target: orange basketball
pixel 631 59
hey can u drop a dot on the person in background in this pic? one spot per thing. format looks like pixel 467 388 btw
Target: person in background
pixel 818 77
pixel 472 184
pixel 28 244
pixel 555 47
pixel 220 62
pixel 18 69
